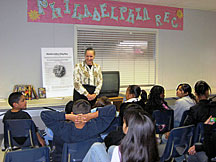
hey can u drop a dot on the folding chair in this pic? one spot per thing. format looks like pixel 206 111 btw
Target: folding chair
pixel 113 126
pixel 184 118
pixel 179 141
pixel 164 120
pixel 75 152
pixel 28 155
pixel 19 134
pixel 198 133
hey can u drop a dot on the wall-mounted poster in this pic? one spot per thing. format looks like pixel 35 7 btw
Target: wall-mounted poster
pixel 57 70
pixel 106 13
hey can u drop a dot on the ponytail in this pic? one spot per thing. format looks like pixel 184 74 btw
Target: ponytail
pixel 187 89
pixel 191 95
pixel 201 87
pixel 143 95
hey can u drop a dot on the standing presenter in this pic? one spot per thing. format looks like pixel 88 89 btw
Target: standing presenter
pixel 87 78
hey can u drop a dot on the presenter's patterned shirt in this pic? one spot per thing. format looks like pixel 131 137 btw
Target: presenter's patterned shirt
pixel 83 74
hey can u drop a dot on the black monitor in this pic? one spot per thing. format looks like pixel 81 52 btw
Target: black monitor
pixel 111 84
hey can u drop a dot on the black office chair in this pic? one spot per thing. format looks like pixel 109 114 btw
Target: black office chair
pixel 164 120
pixel 179 141
pixel 19 133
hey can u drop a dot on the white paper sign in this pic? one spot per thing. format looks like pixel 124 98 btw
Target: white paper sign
pixel 57 70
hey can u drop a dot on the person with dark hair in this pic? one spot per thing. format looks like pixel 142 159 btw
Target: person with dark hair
pixel 205 152
pixel 102 101
pixel 133 93
pixel 202 89
pixel 134 112
pixel 81 107
pixel 185 101
pixel 68 107
pixel 139 143
pixel 156 100
pixel 18 103
pixel 79 129
pixel 115 137
pixel 201 111
pixel 87 78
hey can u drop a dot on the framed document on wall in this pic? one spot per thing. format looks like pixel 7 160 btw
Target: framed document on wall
pixel 57 71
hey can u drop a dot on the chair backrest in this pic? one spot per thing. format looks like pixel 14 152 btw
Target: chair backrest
pixel 178 143
pixel 113 126
pixel 28 155
pixel 19 133
pixel 184 118
pixel 75 152
pixel 164 120
pixel 198 133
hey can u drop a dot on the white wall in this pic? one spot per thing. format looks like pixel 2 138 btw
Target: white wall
pixel 188 55
pixel 21 42
pixel 183 56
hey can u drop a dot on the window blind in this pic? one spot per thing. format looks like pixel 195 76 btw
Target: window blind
pixel 131 52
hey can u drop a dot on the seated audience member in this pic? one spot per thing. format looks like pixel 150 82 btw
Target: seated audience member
pixel 68 107
pixel 139 143
pixel 185 101
pixel 80 129
pixel 156 100
pixel 133 93
pixel 140 128
pixel 48 135
pixel 206 151
pixel 115 137
pixel 102 101
pixel 201 111
pixel 18 103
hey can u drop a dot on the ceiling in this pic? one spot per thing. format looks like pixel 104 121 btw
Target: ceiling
pixel 209 5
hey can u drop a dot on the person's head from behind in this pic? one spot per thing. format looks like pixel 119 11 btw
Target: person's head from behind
pixel 139 144
pixel 102 101
pixel 81 106
pixel 68 107
pixel 133 106
pixel 89 56
pixel 17 100
pixel 143 95
pixel 202 89
pixel 156 95
pixel 183 90
pixel 133 91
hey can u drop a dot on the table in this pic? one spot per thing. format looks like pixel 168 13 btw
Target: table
pixel 117 101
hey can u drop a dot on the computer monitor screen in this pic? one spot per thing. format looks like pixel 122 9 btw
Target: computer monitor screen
pixel 111 84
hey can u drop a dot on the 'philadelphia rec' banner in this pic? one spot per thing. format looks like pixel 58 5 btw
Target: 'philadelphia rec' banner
pixel 107 13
